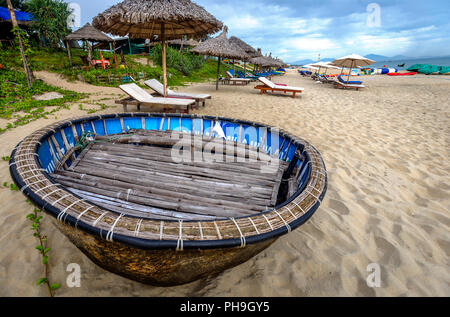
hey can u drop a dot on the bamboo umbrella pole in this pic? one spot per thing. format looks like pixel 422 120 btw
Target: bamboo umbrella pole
pixel 115 55
pixel 21 47
pixel 164 67
pixel 351 66
pixel 218 73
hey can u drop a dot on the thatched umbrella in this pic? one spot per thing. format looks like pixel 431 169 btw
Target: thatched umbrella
pixel 184 43
pixel 247 48
pixel 143 19
pixel 89 34
pixel 220 47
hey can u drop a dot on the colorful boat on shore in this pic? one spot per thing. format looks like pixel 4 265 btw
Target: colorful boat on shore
pixel 403 74
pixel 119 191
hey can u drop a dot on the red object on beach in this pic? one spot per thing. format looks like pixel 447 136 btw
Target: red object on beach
pixel 402 74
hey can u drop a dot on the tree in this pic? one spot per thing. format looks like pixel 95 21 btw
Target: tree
pixel 17 4
pixel 50 19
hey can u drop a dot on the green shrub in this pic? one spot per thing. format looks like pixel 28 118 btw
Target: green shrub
pixel 184 62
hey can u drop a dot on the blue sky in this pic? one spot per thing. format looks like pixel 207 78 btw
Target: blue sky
pixel 301 29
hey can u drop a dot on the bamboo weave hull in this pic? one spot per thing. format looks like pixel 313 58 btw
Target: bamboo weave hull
pixel 159 267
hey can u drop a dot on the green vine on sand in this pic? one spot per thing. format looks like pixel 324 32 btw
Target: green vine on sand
pixel 36 218
pixel 42 248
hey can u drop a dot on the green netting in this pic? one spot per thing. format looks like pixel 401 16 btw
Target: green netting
pixel 445 70
pixel 415 67
pixel 428 69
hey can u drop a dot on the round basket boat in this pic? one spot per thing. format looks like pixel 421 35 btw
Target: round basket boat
pixel 119 189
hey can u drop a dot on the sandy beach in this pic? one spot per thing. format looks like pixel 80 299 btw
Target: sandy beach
pixel 386 149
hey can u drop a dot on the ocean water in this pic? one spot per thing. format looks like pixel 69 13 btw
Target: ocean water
pixel 440 61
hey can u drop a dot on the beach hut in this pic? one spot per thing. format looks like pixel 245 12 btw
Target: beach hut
pixel 220 47
pixel 145 19
pixel 89 34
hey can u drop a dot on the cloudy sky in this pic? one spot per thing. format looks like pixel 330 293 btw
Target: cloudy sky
pixel 301 29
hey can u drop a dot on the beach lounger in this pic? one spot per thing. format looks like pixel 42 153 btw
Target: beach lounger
pixel 242 75
pixel 270 86
pixel 341 83
pixel 326 80
pixel 139 97
pixel 230 80
pixel 159 88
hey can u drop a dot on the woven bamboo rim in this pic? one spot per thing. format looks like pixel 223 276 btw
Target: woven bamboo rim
pixel 68 208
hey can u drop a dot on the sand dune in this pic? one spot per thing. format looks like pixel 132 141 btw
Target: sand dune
pixel 386 149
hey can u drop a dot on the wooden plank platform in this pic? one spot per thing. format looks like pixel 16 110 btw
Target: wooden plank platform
pixel 138 175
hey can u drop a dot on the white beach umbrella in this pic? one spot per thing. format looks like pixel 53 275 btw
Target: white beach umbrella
pixel 325 65
pixel 351 61
pixel 309 66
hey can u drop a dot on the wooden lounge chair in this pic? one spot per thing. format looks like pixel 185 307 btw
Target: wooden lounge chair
pixel 159 88
pixel 139 97
pixel 270 86
pixel 230 80
pixel 340 83
pixel 326 80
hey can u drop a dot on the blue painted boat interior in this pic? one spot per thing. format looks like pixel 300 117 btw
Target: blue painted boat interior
pixel 56 145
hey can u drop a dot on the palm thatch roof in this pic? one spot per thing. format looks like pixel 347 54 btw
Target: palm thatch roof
pixel 247 48
pixel 262 61
pixel 144 19
pixel 88 33
pixel 190 42
pixel 220 46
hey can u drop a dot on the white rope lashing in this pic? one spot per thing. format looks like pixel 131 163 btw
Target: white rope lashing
pixel 161 229
pixel 201 230
pixel 59 199
pixel 55 191
pixel 284 221
pixel 81 215
pixel 218 231
pixel 180 237
pixel 243 242
pixel 61 214
pixel 41 189
pixel 270 225
pixel 138 227
pixel 254 225
pixel 109 235
pixel 99 218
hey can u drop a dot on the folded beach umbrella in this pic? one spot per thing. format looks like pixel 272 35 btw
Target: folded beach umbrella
pixel 352 61
pixel 145 19
pixel 220 47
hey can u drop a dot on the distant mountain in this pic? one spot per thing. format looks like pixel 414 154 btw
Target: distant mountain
pixel 377 58
pixel 400 58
